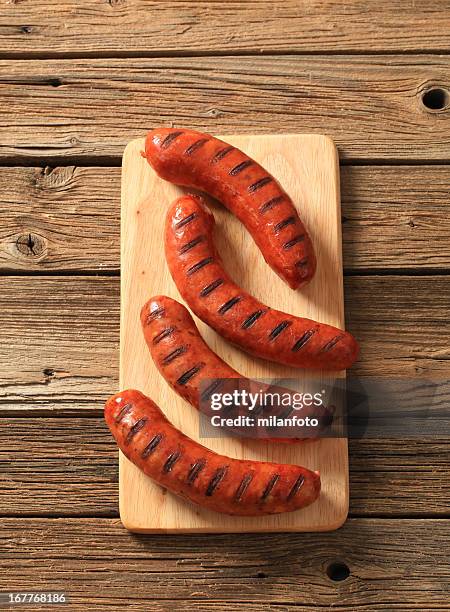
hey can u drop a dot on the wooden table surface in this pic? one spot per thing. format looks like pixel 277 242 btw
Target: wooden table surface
pixel 78 80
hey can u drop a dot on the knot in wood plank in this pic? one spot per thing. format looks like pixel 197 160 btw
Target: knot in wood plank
pixel 31 245
pixel 55 178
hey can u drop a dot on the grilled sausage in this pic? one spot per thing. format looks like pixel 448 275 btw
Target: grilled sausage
pixel 185 360
pixel 198 160
pixel 178 350
pixel 198 273
pixel 216 482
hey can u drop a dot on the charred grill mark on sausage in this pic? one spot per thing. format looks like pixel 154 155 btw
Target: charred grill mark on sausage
pixel 270 485
pixel 258 409
pixel 284 415
pixel 296 487
pixel 228 305
pixel 216 480
pixel 251 320
pixel 271 204
pixel 301 263
pixel 190 245
pixel 259 184
pixel 329 345
pixel 282 224
pixel 290 243
pixel 199 265
pixel 276 331
pixel 154 314
pixel 210 288
pixel 170 462
pixel 168 140
pixel 151 446
pixel 186 377
pixel 303 340
pixel 198 144
pixel 134 429
pixel 221 154
pixel 125 410
pixel 185 221
pixel 241 167
pixel 164 334
pixel 174 354
pixel 195 470
pixel 243 486
pixel 210 389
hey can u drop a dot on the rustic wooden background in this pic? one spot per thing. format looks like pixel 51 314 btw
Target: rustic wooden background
pixel 80 79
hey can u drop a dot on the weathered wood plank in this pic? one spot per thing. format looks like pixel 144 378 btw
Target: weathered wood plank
pixel 59 336
pixel 84 109
pixel 59 339
pixel 395 217
pixel 60 219
pixel 141 27
pixel 58 466
pixel 96 560
pixel 67 218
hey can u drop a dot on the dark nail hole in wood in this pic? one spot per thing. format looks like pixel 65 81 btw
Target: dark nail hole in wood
pixel 55 82
pixel 338 571
pixel 26 29
pixel 436 98
pixel 48 372
pixel 261 575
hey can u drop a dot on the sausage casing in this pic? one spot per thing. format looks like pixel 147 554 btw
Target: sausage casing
pixel 194 159
pixel 177 349
pixel 188 469
pixel 212 295
pixel 185 360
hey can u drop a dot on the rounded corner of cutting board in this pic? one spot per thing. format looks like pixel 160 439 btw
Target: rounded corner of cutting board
pixel 131 147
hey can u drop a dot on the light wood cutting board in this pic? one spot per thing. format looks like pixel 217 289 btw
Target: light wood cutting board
pixel 307 167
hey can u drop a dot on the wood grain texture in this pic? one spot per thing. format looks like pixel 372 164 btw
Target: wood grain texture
pixel 59 338
pixel 59 219
pixel 99 563
pixel 58 467
pixel 69 467
pixel 89 109
pixel 67 218
pixel 312 181
pixel 141 27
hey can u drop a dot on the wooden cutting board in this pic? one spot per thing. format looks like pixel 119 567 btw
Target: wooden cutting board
pixel 307 167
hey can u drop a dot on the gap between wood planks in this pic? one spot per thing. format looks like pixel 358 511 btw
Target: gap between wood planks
pixel 115 515
pixel 116 273
pixel 116 162
pixel 174 53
